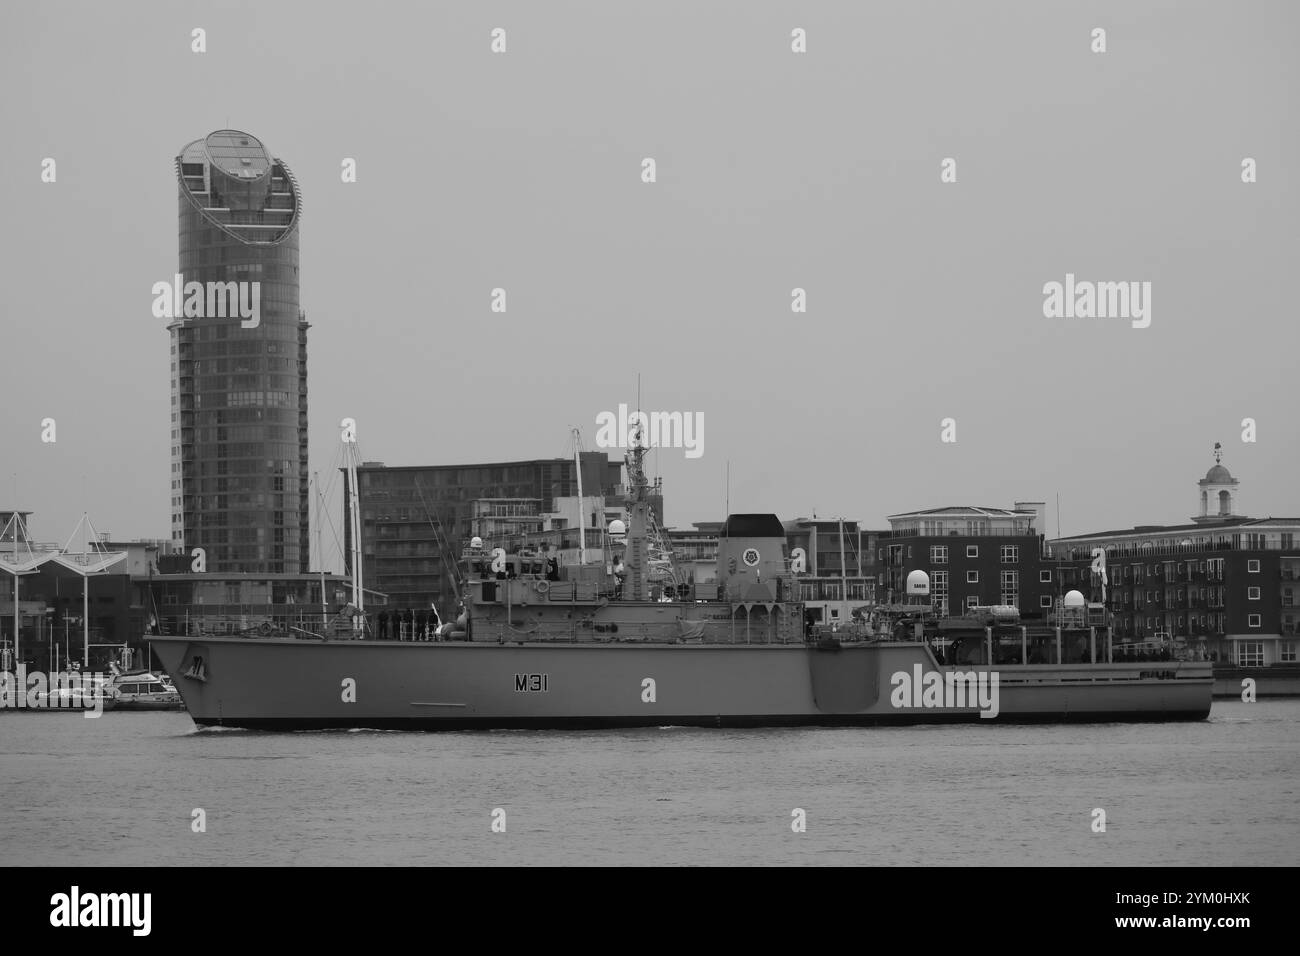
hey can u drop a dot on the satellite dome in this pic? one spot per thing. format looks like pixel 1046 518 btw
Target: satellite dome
pixel 1218 473
pixel 1074 599
pixel 617 527
pixel 476 542
pixel 918 582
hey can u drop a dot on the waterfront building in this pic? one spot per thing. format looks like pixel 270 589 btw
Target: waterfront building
pixel 832 590
pixel 695 551
pixel 1225 586
pixel 416 519
pixel 974 556
pixel 56 602
pixel 239 385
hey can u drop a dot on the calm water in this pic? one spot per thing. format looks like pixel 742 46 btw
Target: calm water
pixel 121 789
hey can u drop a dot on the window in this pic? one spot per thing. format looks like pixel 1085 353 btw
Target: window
pixel 972 550
pixel 938 554
pixel 1045 577
pixel 939 592
pixel 1252 594
pixel 1250 653
pixel 1252 620
pixel 1252 566
pixel 972 601
pixel 1010 588
pixel 1287 651
pixel 972 577
pixel 1044 600
pixel 1010 554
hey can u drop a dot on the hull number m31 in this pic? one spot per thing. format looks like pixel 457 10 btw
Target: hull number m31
pixel 532 682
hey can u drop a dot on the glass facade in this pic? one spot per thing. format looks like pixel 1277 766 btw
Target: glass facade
pixel 239 483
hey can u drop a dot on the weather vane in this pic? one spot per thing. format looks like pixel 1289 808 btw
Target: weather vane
pixel 1218 453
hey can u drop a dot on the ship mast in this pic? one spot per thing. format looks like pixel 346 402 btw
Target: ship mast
pixel 635 588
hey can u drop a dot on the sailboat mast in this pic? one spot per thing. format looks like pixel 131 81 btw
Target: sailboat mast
pixel 320 550
pixel 356 539
pixel 844 578
pixel 582 508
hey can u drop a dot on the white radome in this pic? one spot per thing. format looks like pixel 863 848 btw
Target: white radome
pixel 476 542
pixel 617 527
pixel 918 582
pixel 1074 599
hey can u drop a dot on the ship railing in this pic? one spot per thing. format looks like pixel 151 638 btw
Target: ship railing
pixel 234 620
pixel 719 632
pixel 1100 672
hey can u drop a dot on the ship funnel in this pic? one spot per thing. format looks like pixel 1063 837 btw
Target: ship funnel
pixel 751 557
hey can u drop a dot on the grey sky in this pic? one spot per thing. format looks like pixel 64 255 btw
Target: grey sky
pixel 775 170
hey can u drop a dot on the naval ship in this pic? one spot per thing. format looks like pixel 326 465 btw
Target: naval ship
pixel 601 645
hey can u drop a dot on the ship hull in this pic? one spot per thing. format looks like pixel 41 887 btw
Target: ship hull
pixel 303 685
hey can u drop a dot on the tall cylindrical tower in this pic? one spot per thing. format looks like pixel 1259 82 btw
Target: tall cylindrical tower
pixel 239 483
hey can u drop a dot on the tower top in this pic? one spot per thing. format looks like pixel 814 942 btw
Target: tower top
pixel 1218 491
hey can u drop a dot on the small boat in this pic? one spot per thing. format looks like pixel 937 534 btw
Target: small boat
pixel 144 690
